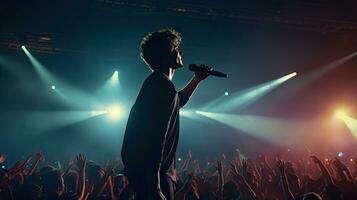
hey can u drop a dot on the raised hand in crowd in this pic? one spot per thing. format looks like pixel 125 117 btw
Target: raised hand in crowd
pixel 81 164
pixel 189 190
pixel 35 166
pixel 281 165
pixel 242 182
pixel 325 173
pixel 219 168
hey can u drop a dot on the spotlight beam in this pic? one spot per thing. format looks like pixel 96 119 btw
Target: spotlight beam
pixel 115 112
pixel 192 115
pixel 274 130
pixel 111 88
pixel 352 125
pixel 56 119
pixel 115 78
pixel 40 69
pixel 313 76
pixel 350 122
pixel 248 96
pixel 71 95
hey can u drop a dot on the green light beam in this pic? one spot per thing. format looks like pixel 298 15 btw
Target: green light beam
pixel 191 114
pixel 45 121
pixel 40 69
pixel 110 89
pixel 274 130
pixel 213 103
pixel 69 94
pixel 115 78
pixel 248 96
pixel 75 97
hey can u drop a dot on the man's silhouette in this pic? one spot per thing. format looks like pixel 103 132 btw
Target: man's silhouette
pixel 152 131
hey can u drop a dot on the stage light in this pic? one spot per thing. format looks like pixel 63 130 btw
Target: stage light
pixel 115 112
pixel 110 90
pixel 115 78
pixel 350 122
pixel 351 159
pixel 285 78
pixel 179 159
pixel 53 87
pixel 71 95
pixel 340 114
pixel 247 96
pixel 41 70
pixel 23 47
pixel 226 94
pixel 340 154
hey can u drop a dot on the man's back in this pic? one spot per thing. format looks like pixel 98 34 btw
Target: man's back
pixel 151 134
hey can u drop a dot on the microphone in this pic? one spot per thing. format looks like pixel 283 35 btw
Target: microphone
pixel 197 68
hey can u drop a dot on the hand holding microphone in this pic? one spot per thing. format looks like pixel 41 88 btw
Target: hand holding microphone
pixel 202 71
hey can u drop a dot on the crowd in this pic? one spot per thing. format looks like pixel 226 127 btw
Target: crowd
pixel 236 178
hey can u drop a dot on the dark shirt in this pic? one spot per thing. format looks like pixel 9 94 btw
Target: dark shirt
pixel 152 131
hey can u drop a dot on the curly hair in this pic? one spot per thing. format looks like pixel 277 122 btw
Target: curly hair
pixel 157 45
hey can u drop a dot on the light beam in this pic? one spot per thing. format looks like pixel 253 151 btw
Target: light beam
pixel 115 112
pixel 350 122
pixel 71 95
pixel 109 91
pixel 115 78
pixel 274 130
pixel 45 121
pixel 40 69
pixel 246 97
pixel 311 77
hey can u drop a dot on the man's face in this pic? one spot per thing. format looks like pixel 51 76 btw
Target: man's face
pixel 176 58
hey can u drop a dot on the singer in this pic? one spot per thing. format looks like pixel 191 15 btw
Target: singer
pixel 152 131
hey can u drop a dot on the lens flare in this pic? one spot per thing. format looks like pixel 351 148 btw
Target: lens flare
pixel 340 114
pixel 351 123
pixel 115 112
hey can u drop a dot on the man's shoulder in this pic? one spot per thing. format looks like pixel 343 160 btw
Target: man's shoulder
pixel 159 80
